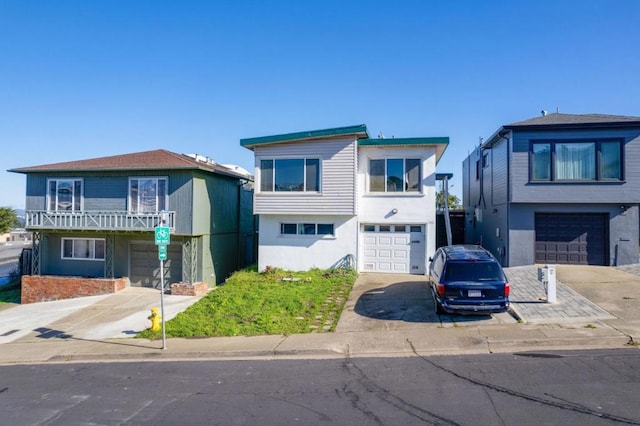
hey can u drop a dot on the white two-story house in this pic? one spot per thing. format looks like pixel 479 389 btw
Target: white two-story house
pixel 331 197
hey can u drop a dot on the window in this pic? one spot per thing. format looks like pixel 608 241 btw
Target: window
pixel 306 229
pixel 485 159
pixel 395 175
pixel 64 195
pixel 148 194
pixel 290 175
pixel 83 249
pixel 576 161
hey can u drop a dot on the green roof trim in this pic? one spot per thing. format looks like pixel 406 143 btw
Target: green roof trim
pixel 359 129
pixel 404 141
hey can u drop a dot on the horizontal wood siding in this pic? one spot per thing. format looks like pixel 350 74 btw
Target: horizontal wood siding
pixel 499 173
pixel 627 191
pixel 338 176
pixel 109 191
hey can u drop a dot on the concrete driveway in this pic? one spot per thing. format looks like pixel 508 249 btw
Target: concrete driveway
pixel 118 315
pixel 400 301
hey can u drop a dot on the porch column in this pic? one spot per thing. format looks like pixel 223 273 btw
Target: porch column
pixel 109 243
pixel 35 253
pixel 190 260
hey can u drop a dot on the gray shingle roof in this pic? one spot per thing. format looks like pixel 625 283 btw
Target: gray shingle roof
pixel 553 119
pixel 148 160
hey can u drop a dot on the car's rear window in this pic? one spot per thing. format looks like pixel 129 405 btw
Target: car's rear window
pixel 473 271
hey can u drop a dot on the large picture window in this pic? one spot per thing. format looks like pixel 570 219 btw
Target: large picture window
pixel 395 175
pixel 576 161
pixel 83 249
pixel 290 175
pixel 147 194
pixel 64 194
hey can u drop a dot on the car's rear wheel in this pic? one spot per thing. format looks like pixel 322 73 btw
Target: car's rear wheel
pixel 437 307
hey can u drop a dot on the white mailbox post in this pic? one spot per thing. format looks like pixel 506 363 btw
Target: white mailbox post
pixel 549 278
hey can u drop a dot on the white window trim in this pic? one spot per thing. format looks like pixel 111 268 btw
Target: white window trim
pixel 258 184
pixel 48 196
pixel 92 259
pixel 385 193
pixel 157 178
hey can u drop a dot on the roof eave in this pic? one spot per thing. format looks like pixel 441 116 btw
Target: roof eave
pixel 359 130
pixel 572 125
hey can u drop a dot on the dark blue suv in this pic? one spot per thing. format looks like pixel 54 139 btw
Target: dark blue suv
pixel 467 279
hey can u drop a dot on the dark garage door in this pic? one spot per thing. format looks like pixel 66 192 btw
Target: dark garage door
pixel 145 266
pixel 567 238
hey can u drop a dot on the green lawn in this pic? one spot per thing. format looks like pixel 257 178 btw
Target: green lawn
pixel 272 302
pixel 10 293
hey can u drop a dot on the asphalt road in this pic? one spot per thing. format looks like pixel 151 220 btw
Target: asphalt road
pixel 584 388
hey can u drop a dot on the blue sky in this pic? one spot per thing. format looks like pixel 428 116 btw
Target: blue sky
pixel 84 79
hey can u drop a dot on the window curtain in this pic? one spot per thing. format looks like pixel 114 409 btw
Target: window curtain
pixel 575 161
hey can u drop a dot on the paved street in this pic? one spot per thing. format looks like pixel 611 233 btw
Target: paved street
pixel 573 388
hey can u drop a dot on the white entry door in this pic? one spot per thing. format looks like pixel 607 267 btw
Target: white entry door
pixel 393 248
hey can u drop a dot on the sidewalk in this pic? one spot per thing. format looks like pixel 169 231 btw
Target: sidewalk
pixel 579 321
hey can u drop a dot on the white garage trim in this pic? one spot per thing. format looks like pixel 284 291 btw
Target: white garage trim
pixel 397 248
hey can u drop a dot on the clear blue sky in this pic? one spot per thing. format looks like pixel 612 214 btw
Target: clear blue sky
pixel 84 79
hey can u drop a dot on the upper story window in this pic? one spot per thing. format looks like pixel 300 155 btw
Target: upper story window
pixel 395 175
pixel 290 175
pixel 64 194
pixel 148 194
pixel 576 161
pixel 485 159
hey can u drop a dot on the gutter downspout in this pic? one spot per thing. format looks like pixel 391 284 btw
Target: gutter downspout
pixel 447 220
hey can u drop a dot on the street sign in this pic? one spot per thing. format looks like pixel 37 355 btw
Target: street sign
pixel 162 235
pixel 162 252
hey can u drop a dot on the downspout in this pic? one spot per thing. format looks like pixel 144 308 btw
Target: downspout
pixel 447 220
pixel 503 135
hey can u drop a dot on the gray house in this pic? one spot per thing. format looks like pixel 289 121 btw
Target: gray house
pixel 95 219
pixel 558 189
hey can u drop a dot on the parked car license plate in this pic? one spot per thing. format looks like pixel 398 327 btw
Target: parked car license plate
pixel 474 293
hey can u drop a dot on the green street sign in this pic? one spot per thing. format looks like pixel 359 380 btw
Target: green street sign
pixel 162 235
pixel 162 252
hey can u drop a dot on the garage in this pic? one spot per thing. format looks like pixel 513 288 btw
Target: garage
pixel 144 266
pixel 393 248
pixel 571 238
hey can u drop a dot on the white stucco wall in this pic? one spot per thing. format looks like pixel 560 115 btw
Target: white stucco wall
pixel 303 252
pixel 412 208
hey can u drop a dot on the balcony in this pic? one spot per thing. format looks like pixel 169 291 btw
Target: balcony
pixel 97 220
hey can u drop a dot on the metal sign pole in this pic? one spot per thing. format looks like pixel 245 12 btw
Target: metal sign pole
pixel 164 336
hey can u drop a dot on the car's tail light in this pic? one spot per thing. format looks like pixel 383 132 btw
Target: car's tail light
pixel 507 289
pixel 440 289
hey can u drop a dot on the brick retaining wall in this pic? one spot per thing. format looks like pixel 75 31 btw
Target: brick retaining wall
pixel 43 288
pixel 188 289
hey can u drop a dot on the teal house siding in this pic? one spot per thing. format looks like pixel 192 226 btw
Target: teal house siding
pixel 209 206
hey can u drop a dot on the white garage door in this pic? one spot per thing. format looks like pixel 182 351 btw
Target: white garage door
pixel 393 248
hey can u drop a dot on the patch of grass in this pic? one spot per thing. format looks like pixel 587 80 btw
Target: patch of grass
pixel 591 326
pixel 272 302
pixel 10 293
